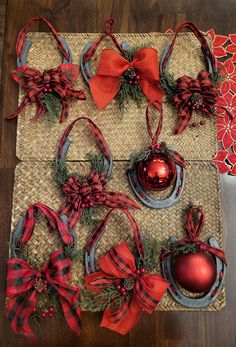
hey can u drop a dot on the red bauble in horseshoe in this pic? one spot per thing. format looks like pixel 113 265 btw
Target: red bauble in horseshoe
pixel 195 272
pixel 157 172
pixel 157 168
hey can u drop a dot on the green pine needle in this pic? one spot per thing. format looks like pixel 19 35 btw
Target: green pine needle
pixel 53 107
pixel 96 302
pixel 139 156
pixel 88 217
pixel 60 171
pixel 168 83
pixel 151 254
pixel 180 247
pixel 97 162
pixel 74 254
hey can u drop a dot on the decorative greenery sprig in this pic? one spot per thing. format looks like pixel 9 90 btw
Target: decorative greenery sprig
pixel 60 171
pixel 139 156
pixel 168 84
pixel 96 302
pixel 180 247
pixel 53 107
pixel 97 162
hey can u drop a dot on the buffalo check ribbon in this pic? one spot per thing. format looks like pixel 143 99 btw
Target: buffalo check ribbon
pixel 195 219
pixel 25 284
pixel 20 43
pixel 118 266
pixel 186 89
pixel 193 93
pixel 82 192
pixel 59 81
pixel 22 291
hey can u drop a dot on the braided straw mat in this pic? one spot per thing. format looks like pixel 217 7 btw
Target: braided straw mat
pixel 34 183
pixel 38 141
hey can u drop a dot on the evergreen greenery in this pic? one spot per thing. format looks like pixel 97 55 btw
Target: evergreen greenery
pixel 53 107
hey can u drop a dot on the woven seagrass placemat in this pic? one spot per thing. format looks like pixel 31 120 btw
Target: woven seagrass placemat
pixel 34 183
pixel 38 141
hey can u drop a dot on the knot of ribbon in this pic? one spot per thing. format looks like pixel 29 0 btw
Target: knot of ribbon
pixel 59 82
pixel 87 192
pixel 24 284
pixel 195 220
pixel 194 94
pixel 112 68
pixel 146 290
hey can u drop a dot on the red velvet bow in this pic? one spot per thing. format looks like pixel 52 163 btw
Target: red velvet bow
pixel 24 283
pixel 118 269
pixel 90 192
pixel 58 81
pixel 106 84
pixel 199 94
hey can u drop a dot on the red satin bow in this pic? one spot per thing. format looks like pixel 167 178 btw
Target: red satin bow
pixel 199 94
pixel 24 283
pixel 106 84
pixel 117 266
pixel 59 81
pixel 90 192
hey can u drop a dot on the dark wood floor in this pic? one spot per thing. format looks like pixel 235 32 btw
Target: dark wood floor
pixel 163 329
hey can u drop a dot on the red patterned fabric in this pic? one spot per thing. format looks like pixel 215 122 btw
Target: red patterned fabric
pixel 22 291
pixel 90 192
pixel 183 100
pixel 59 82
pixel 119 264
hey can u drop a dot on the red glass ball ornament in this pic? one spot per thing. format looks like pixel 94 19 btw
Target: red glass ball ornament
pixel 157 172
pixel 195 272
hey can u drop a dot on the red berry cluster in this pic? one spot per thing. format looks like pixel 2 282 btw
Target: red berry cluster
pixel 47 88
pixel 122 289
pixel 194 124
pixel 202 247
pixel 88 201
pixel 48 313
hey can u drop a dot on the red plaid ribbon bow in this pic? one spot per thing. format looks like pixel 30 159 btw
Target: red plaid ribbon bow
pixel 194 94
pixel 24 284
pixel 90 192
pixel 194 223
pixel 119 270
pixel 59 81
pixel 83 192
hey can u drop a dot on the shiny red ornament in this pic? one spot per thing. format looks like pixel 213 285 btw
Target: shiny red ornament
pixel 195 272
pixel 157 172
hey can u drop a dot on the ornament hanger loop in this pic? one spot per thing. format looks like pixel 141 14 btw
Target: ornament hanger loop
pixel 154 137
pixel 109 24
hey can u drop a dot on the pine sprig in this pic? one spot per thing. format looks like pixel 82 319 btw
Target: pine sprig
pixel 129 54
pixel 139 156
pixel 151 254
pixel 168 83
pixel 87 217
pixel 97 162
pixel 74 254
pixel 53 106
pixel 60 171
pixel 180 247
pixel 35 319
pixel 96 302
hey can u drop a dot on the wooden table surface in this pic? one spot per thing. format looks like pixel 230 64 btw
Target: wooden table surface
pixel 164 329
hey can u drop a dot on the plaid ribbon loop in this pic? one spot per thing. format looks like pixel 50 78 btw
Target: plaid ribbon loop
pixel 58 82
pixel 139 290
pixel 194 223
pixel 194 94
pixel 24 284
